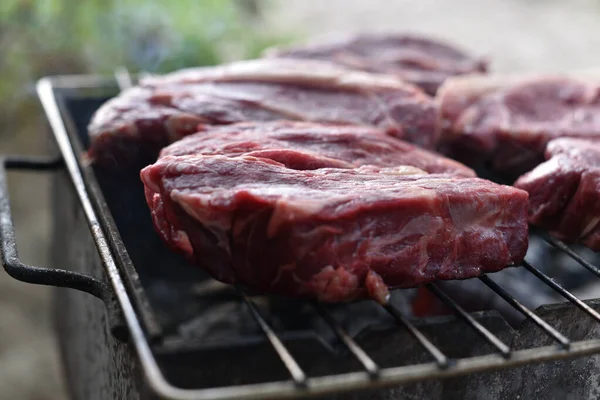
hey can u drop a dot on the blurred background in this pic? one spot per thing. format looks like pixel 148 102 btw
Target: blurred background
pixel 43 37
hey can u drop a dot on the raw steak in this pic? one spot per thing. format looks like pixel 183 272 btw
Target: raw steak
pixel 508 121
pixel 565 191
pixel 137 124
pixel 423 61
pixel 307 145
pixel 332 234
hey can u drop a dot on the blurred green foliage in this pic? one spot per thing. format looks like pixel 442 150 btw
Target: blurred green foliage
pixel 43 37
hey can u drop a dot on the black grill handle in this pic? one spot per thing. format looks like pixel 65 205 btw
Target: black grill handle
pixel 47 276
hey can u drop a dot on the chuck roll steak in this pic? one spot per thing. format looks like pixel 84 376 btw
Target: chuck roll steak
pixel 307 145
pixel 507 121
pixel 332 234
pixel 565 191
pixel 134 126
pixel 420 60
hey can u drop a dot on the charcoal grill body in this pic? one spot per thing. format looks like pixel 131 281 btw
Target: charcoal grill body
pixel 156 302
pixel 97 365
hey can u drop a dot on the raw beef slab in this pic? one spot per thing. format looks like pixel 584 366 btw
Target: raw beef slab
pixel 507 121
pixel 420 60
pixel 565 191
pixel 332 234
pixel 307 145
pixel 132 128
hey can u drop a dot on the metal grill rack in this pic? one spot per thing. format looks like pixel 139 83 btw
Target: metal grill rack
pixel 444 366
pixel 371 374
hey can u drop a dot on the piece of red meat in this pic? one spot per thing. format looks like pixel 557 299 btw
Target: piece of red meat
pixel 506 122
pixel 423 61
pixel 307 145
pixel 564 191
pixel 332 234
pixel 134 126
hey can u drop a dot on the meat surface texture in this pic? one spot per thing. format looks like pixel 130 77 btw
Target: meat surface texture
pixel 422 61
pixel 135 125
pixel 332 234
pixel 307 145
pixel 507 121
pixel 565 191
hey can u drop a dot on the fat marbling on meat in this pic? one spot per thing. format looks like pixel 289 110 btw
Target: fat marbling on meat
pixel 132 127
pixel 332 234
pixel 308 145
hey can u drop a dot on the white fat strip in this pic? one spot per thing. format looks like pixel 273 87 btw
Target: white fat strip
pixel 426 180
pixel 227 93
pixel 426 226
pixel 464 215
pixel 579 115
pixel 326 73
pixel 543 170
pixel 402 170
pixel 286 211
pixel 284 71
pixel 180 166
pixel 218 226
pixel 426 195
pixel 423 225
pixel 590 226
pixel 197 212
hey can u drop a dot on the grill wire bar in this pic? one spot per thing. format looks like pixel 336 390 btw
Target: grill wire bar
pixel 562 291
pixel 369 365
pixel 440 358
pixel 284 354
pixel 482 330
pixel 567 250
pixel 564 342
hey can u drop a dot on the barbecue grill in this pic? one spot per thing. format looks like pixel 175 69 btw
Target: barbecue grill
pixel 166 330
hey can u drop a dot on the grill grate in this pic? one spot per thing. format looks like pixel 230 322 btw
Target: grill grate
pixel 465 316
pixel 443 362
pixel 526 312
pixel 368 364
pixel 284 354
pixel 299 384
pixel 440 358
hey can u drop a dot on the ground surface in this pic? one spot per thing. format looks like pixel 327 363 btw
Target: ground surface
pixel 547 35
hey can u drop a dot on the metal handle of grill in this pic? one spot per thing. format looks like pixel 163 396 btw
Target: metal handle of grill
pixel 39 275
